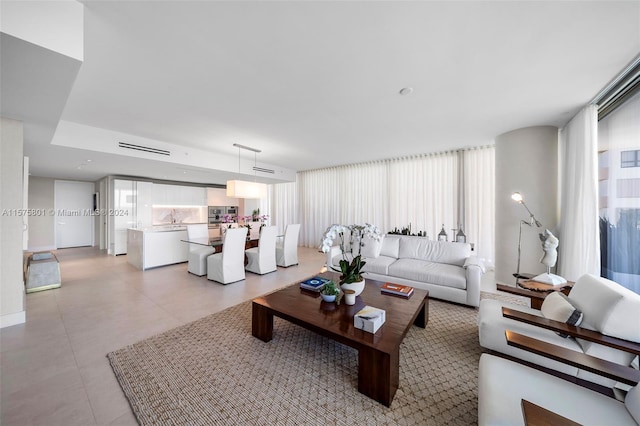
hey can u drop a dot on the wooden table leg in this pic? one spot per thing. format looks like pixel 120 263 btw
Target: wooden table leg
pixel 423 315
pixel 261 322
pixel 378 374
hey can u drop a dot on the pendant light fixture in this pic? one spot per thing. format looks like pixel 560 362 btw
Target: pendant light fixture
pixel 246 189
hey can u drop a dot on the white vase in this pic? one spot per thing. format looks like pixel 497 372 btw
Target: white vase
pixel 358 286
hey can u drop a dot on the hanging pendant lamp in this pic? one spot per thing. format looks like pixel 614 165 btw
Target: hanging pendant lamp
pixel 246 189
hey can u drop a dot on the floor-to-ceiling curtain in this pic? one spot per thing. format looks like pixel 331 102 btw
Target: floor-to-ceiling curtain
pixel 479 195
pixel 422 191
pixel 352 194
pixel 282 205
pixel 579 250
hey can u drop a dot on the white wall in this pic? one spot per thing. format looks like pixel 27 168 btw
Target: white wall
pixel 11 229
pixel 526 162
pixel 41 227
pixel 55 25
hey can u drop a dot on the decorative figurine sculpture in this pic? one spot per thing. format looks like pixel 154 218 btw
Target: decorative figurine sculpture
pixel 550 256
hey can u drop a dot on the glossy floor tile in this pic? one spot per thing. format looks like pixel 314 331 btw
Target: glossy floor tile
pixel 53 368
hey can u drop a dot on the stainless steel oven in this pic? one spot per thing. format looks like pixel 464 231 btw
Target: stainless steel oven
pixel 232 210
pixel 216 214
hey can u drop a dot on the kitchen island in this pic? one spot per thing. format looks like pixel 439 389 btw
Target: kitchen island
pixel 157 246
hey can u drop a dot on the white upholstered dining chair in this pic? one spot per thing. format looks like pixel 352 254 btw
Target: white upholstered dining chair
pixel 228 266
pixel 262 259
pixel 197 253
pixel 287 249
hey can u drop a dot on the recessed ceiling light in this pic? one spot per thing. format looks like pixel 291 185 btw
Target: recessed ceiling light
pixel 88 161
pixel 406 90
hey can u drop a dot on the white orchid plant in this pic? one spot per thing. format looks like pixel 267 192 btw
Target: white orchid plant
pixel 350 271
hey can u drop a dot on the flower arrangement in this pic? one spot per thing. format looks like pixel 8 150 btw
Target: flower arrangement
pixel 229 218
pixel 257 217
pixel 351 272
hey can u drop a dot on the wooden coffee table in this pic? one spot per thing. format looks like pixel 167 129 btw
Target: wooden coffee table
pixel 378 354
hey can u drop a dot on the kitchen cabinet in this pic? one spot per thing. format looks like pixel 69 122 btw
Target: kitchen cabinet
pixel 145 203
pixel 218 197
pixel 178 195
pixel 123 214
pixel 149 248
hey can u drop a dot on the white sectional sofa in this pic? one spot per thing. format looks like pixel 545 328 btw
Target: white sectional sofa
pixel 447 270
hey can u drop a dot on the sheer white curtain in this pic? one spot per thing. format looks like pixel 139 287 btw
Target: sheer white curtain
pixel 579 250
pixel 422 191
pixel 282 205
pixel 479 196
pixel 347 195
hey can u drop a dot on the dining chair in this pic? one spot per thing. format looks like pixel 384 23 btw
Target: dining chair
pixel 287 249
pixel 262 259
pixel 228 266
pixel 197 253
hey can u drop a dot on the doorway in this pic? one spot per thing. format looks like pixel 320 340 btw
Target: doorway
pixel 74 213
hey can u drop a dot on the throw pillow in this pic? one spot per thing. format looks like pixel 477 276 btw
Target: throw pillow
pixel 557 307
pixel 371 248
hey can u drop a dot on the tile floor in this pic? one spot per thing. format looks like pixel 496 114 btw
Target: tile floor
pixel 53 368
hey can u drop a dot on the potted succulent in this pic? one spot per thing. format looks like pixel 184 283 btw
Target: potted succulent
pixel 351 263
pixel 330 292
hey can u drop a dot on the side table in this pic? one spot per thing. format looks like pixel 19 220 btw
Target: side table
pixel 530 289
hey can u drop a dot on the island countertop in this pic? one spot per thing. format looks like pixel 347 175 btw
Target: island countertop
pixel 151 247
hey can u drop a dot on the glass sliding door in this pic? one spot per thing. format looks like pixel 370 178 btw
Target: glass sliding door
pixel 619 193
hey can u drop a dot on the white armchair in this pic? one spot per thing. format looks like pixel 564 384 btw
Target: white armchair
pixel 198 254
pixel 228 266
pixel 262 259
pixel 287 249
pixel 610 313
pixel 504 386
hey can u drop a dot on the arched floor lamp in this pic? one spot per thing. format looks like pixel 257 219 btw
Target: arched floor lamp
pixel 517 197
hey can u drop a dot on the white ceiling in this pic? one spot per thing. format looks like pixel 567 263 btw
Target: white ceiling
pixel 316 84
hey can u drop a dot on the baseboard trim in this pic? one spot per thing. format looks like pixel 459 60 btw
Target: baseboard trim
pixel 13 319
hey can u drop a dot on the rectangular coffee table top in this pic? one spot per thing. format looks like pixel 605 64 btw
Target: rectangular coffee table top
pixel 307 309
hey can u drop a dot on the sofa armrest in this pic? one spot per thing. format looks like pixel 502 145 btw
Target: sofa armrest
pixel 475 261
pixel 589 363
pixel 577 332
pixel 333 252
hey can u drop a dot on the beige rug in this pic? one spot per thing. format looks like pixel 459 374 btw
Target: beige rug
pixel 213 372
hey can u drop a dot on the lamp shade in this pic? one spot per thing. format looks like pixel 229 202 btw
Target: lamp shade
pixel 245 189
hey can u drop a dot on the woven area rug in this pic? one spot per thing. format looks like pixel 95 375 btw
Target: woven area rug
pixel 214 372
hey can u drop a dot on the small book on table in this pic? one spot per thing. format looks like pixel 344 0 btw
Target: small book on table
pixel 314 284
pixel 397 290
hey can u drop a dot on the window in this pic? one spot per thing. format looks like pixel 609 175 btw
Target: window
pixel 630 158
pixel 619 175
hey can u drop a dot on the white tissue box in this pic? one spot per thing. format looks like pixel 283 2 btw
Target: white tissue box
pixel 369 319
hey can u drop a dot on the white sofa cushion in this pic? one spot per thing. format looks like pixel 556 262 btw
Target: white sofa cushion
pixel 610 309
pixel 434 251
pixel 390 246
pixel 371 248
pixel 492 325
pixel 379 265
pixel 502 384
pixel 429 272
pixel 607 306
pixel 632 402
pixel 557 307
